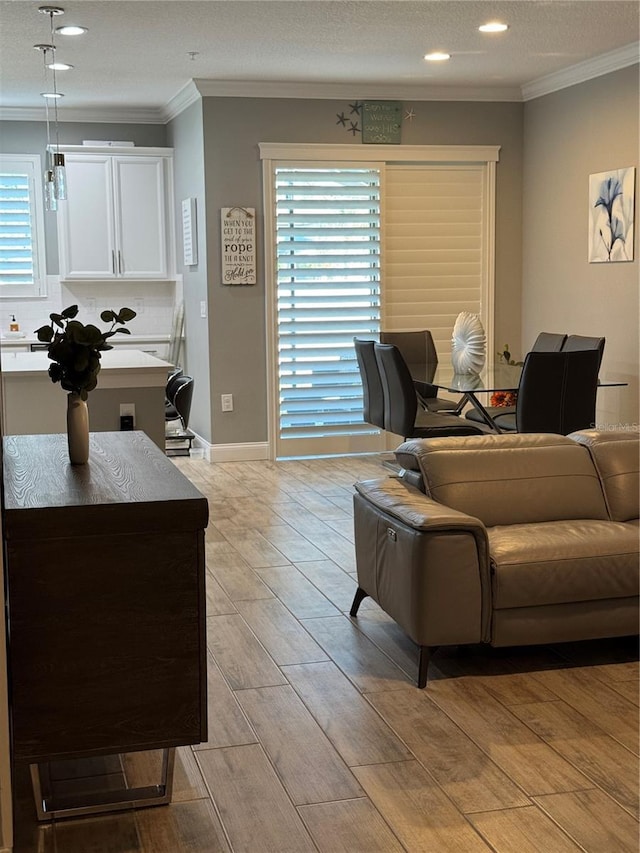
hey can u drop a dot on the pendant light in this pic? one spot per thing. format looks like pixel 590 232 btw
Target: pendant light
pixel 55 178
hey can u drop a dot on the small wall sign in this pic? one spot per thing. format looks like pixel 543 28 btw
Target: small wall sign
pixel 189 232
pixel 382 122
pixel 238 232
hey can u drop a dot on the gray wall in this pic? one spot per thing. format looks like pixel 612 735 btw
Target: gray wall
pixel 569 135
pixel 185 136
pixel 233 128
pixel 30 137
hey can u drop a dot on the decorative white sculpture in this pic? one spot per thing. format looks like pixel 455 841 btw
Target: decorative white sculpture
pixel 468 344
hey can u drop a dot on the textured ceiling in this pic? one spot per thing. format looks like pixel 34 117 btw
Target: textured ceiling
pixel 136 53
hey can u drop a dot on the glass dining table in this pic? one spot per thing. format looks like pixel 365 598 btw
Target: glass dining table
pixel 492 378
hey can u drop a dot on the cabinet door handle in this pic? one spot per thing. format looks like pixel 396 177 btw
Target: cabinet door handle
pixel 120 264
pixel 113 261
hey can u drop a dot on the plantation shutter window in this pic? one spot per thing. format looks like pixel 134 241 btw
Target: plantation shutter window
pixel 21 227
pixel 434 248
pixel 327 223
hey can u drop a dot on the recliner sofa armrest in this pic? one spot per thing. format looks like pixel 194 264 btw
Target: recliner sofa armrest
pixel 411 506
pixel 426 564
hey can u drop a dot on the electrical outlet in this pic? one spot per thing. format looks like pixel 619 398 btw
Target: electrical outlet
pixel 91 305
pixel 227 402
pixel 203 310
pixel 127 409
pixel 138 305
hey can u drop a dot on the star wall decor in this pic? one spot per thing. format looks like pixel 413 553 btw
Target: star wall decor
pixel 355 107
pixel 354 128
pixel 409 115
pixel 342 119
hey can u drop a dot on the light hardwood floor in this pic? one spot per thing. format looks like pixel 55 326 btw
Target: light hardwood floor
pixel 318 738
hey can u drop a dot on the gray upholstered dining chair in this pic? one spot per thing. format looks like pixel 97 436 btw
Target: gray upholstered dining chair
pixel 557 393
pixel 545 342
pixel 372 395
pixel 419 350
pixel 402 415
pixel 574 343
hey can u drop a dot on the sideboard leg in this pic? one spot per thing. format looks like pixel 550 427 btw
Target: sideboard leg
pixel 50 807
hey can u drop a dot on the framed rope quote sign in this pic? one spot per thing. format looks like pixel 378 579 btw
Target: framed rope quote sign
pixel 238 232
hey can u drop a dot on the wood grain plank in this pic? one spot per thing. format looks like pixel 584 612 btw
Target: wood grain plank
pixel 218 602
pixel 239 655
pixel 593 819
pixel 527 830
pixel 233 573
pixel 354 728
pixel 388 636
pixel 355 654
pixel 281 634
pixel 227 725
pixel 584 691
pixel 255 549
pixel 350 826
pixel 193 827
pixel 292 544
pixel 330 543
pixel 299 595
pixel 521 754
pixel 462 770
pixel 597 755
pixel 294 741
pixel 629 689
pixel 416 809
pixel 104 834
pixel 254 807
pixel 334 583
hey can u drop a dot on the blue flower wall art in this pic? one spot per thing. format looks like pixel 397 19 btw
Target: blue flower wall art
pixel 611 207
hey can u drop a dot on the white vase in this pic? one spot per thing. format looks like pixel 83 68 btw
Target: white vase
pixel 468 344
pixel 77 429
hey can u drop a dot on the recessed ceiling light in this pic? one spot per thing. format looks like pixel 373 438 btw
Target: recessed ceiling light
pixel 493 27
pixel 437 56
pixel 59 66
pixel 71 30
pixel 52 95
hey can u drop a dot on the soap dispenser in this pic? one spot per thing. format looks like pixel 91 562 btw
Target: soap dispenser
pixel 13 324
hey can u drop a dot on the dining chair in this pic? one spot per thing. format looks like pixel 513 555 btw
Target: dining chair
pixel 557 393
pixel 545 342
pixel 402 415
pixel 419 350
pixel 549 342
pixel 372 394
pixel 574 343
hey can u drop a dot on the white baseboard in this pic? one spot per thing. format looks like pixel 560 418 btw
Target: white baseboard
pixel 244 452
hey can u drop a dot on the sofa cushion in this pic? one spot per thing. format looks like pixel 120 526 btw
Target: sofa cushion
pixel 563 561
pixel 616 456
pixel 508 479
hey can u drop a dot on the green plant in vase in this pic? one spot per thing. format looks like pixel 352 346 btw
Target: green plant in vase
pixel 75 350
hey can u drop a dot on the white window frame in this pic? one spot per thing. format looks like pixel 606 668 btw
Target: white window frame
pixel 32 163
pixel 273 152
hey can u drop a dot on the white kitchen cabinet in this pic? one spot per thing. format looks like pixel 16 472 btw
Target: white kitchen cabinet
pixel 117 220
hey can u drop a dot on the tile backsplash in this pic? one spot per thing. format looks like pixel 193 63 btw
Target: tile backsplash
pixel 154 302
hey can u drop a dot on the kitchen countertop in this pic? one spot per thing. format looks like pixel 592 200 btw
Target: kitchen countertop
pixel 18 339
pixel 115 364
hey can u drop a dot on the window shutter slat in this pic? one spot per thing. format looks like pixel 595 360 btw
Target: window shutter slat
pixel 328 291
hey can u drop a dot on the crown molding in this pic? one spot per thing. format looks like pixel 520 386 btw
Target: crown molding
pixel 348 91
pixel 195 89
pixel 188 95
pixel 91 115
pixel 597 66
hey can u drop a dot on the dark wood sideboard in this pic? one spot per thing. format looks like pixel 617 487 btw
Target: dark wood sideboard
pixel 106 598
